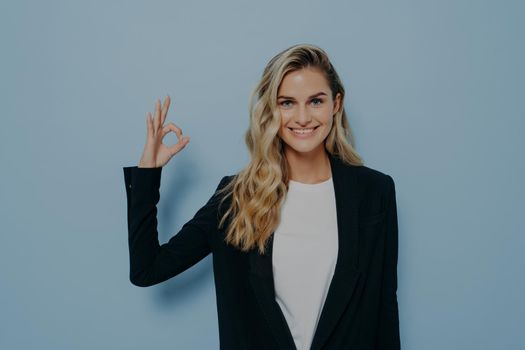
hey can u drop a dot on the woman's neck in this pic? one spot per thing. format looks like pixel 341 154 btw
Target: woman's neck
pixel 309 168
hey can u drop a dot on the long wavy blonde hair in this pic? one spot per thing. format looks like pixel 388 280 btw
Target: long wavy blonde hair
pixel 259 189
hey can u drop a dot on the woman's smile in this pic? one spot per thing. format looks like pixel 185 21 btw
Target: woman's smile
pixel 303 133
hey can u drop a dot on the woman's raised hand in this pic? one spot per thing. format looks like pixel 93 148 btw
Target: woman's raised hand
pixel 156 154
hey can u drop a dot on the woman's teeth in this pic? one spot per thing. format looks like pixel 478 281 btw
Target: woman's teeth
pixel 303 131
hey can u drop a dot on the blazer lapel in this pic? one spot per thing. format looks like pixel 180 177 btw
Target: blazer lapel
pixel 346 273
pixel 261 279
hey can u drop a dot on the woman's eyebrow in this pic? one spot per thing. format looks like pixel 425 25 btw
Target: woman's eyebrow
pixel 291 98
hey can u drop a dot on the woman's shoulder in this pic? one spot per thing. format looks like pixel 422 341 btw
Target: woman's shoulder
pixel 374 174
pixel 369 174
pixel 374 179
pixel 226 179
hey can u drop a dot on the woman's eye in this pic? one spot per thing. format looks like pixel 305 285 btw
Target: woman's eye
pixel 288 103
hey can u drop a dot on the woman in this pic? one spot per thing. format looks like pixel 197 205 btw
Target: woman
pixel 304 238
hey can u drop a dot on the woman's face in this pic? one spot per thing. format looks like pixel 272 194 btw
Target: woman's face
pixel 306 106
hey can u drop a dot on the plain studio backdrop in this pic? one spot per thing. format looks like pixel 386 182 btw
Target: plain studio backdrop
pixel 435 94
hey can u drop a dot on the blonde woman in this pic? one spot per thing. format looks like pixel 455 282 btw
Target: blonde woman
pixel 304 238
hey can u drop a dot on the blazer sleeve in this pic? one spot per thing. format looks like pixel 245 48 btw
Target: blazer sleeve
pixel 388 326
pixel 151 263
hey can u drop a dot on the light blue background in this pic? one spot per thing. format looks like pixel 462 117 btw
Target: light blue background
pixel 435 94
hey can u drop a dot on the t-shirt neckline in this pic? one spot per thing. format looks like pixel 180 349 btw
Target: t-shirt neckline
pixel 298 184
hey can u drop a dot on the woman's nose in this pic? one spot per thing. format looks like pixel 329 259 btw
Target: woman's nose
pixel 302 117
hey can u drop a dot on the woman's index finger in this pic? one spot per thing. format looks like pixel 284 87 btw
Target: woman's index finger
pixel 165 107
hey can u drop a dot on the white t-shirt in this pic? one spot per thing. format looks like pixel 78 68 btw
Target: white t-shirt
pixel 304 256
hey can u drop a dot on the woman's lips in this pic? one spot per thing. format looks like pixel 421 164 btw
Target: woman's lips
pixel 303 132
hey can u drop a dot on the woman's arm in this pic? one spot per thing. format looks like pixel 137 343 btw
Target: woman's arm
pixel 388 327
pixel 151 263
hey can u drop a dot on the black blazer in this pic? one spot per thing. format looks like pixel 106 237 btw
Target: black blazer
pixel 361 309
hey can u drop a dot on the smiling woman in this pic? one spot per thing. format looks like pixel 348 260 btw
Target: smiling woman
pixel 304 238
pixel 306 119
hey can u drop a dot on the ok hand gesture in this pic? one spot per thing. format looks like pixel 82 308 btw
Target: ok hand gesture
pixel 156 154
